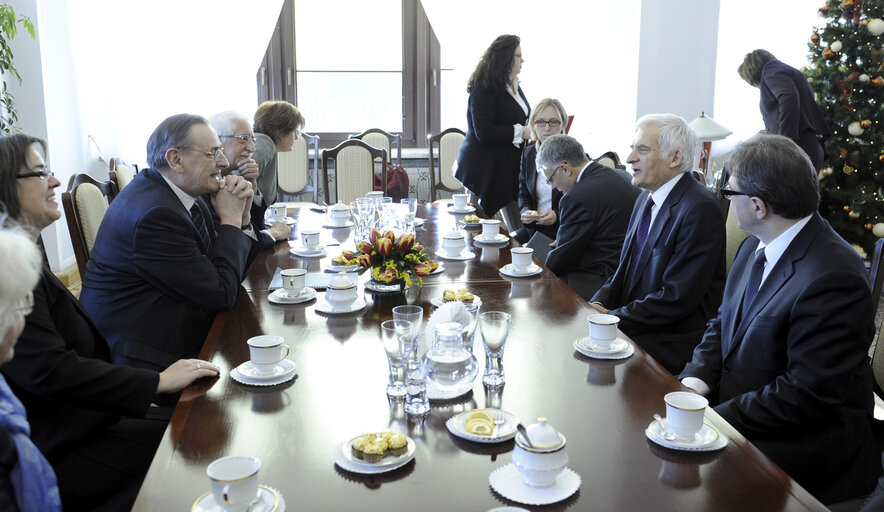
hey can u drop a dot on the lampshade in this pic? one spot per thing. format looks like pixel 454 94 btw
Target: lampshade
pixel 707 129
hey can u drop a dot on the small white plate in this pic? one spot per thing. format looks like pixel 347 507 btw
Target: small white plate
pixel 463 256
pixel 708 439
pixel 418 222
pixel 509 271
pixel 303 252
pixel 269 500
pixel 347 224
pixel 244 379
pixel 468 209
pixel 505 431
pixel 251 371
pixel 324 307
pixel 290 221
pixel 497 239
pixel 507 482
pixel 439 270
pixel 279 296
pixel 341 268
pixel 438 301
pixel 582 346
pixel 343 455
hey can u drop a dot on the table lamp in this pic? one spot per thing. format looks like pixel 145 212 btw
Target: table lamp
pixel 707 130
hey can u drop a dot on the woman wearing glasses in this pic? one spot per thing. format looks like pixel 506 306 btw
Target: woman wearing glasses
pixel 73 394
pixel 488 162
pixel 277 126
pixel 538 200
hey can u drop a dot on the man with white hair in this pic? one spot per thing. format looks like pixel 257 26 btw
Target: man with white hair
pixel 671 274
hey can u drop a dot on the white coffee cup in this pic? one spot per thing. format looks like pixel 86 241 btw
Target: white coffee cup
pixel 234 481
pixel 310 239
pixel 602 330
pixel 490 228
pixel 684 413
pixel 453 243
pixel 522 258
pixel 266 350
pixel 375 194
pixel 279 211
pixel 294 280
pixel 460 200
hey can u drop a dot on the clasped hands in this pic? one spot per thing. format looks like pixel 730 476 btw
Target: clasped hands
pixel 233 201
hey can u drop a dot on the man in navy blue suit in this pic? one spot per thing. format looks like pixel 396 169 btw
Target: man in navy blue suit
pixel 785 361
pixel 671 273
pixel 593 214
pixel 161 267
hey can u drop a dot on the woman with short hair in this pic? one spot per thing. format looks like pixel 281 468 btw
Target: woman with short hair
pixel 277 125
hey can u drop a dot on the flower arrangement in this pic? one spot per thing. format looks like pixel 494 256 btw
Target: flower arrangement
pixel 392 259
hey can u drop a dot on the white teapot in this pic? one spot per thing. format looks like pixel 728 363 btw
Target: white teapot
pixel 544 459
pixel 338 214
pixel 453 243
pixel 341 292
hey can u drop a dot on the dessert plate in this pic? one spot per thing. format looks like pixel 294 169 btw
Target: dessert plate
pixel 332 267
pixel 343 455
pixel 463 256
pixel 288 220
pixel 496 239
pixel 348 224
pixel 304 252
pixel 505 431
pixel 438 301
pixel 418 222
pixel 279 296
pixel 510 271
pixel 269 500
pixel 507 482
pixel 583 346
pixel 467 209
pixel 325 307
pixel 708 439
pixel 251 381
pixel 251 371
pixel 472 225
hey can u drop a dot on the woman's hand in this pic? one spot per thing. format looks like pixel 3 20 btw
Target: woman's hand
pixel 183 372
pixel 526 132
pixel 529 216
pixel 547 218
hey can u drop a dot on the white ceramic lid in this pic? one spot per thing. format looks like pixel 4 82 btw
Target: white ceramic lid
pixel 339 207
pixel 453 235
pixel 341 282
pixel 544 437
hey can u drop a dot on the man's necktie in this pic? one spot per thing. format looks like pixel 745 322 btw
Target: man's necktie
pixel 641 236
pixel 754 279
pixel 200 223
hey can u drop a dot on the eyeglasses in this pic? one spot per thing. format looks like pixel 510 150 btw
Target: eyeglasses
pixel 245 139
pixel 644 150
pixel 555 123
pixel 43 174
pixel 549 180
pixel 727 193
pixel 214 153
pixel 25 304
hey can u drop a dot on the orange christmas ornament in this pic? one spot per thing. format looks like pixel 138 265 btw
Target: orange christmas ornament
pixel 865 123
pixel 828 54
pixel 878 81
pixel 842 152
pixel 868 227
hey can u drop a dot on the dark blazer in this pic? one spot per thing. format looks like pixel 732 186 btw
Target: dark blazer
pixel 62 373
pixel 594 215
pixel 528 197
pixel 488 162
pixel 793 374
pixel 680 275
pixel 151 285
pixel 789 108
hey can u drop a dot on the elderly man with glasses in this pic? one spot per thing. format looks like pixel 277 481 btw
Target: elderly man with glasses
pixel 593 214
pixel 162 266
pixel 238 142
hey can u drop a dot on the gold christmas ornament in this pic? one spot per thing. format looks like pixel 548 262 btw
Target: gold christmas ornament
pixel 815 38
pixel 848 170
pixel 865 123
pixel 881 158
pixel 878 81
pixel 868 227
pixel 846 208
pixel 828 54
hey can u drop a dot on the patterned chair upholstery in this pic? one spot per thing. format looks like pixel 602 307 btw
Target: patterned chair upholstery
pixel 381 139
pixel 448 142
pixel 85 203
pixel 356 164
pixel 120 173
pixel 293 168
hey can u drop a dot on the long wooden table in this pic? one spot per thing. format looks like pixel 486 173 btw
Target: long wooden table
pixel 603 407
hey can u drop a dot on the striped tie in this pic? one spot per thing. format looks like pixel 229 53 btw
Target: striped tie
pixel 200 224
pixel 641 236
pixel 754 279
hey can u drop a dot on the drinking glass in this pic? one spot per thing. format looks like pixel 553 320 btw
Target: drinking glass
pixel 415 315
pixel 495 327
pixel 416 401
pixel 408 211
pixel 469 328
pixel 366 208
pixel 386 215
pixel 357 219
pixel 396 336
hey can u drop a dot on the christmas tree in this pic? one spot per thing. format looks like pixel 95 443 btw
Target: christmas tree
pixel 846 72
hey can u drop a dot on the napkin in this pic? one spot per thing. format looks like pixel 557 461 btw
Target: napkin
pixel 448 312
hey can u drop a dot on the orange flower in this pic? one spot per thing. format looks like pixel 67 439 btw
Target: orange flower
pixel 384 247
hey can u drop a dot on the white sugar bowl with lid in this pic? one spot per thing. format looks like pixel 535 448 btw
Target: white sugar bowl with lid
pixel 544 459
pixel 341 292
pixel 453 243
pixel 338 214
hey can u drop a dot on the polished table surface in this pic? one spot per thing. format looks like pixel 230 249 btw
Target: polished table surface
pixel 602 407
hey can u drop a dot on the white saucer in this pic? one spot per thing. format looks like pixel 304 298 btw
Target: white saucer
pixel 303 252
pixel 281 369
pixel 509 271
pixel 279 296
pixel 347 224
pixel 582 346
pixel 324 307
pixel 290 221
pixel 251 381
pixel 497 239
pixel 468 209
pixel 505 432
pixel 344 458
pixel 463 256
pixel 507 482
pixel 269 500
pixel 331 267
pixel 471 225
pixel 438 301
pixel 418 222
pixel 708 439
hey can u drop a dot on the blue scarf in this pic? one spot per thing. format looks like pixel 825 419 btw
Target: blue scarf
pixel 33 479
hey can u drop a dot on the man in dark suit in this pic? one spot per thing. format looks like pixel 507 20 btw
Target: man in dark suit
pixel 160 268
pixel 785 361
pixel 238 141
pixel 593 214
pixel 671 273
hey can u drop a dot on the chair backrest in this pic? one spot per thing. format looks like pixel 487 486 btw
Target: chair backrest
pixel 449 142
pixel 734 237
pixel 876 272
pixel 381 139
pixel 120 173
pixel 293 167
pixel 85 203
pixel 356 164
